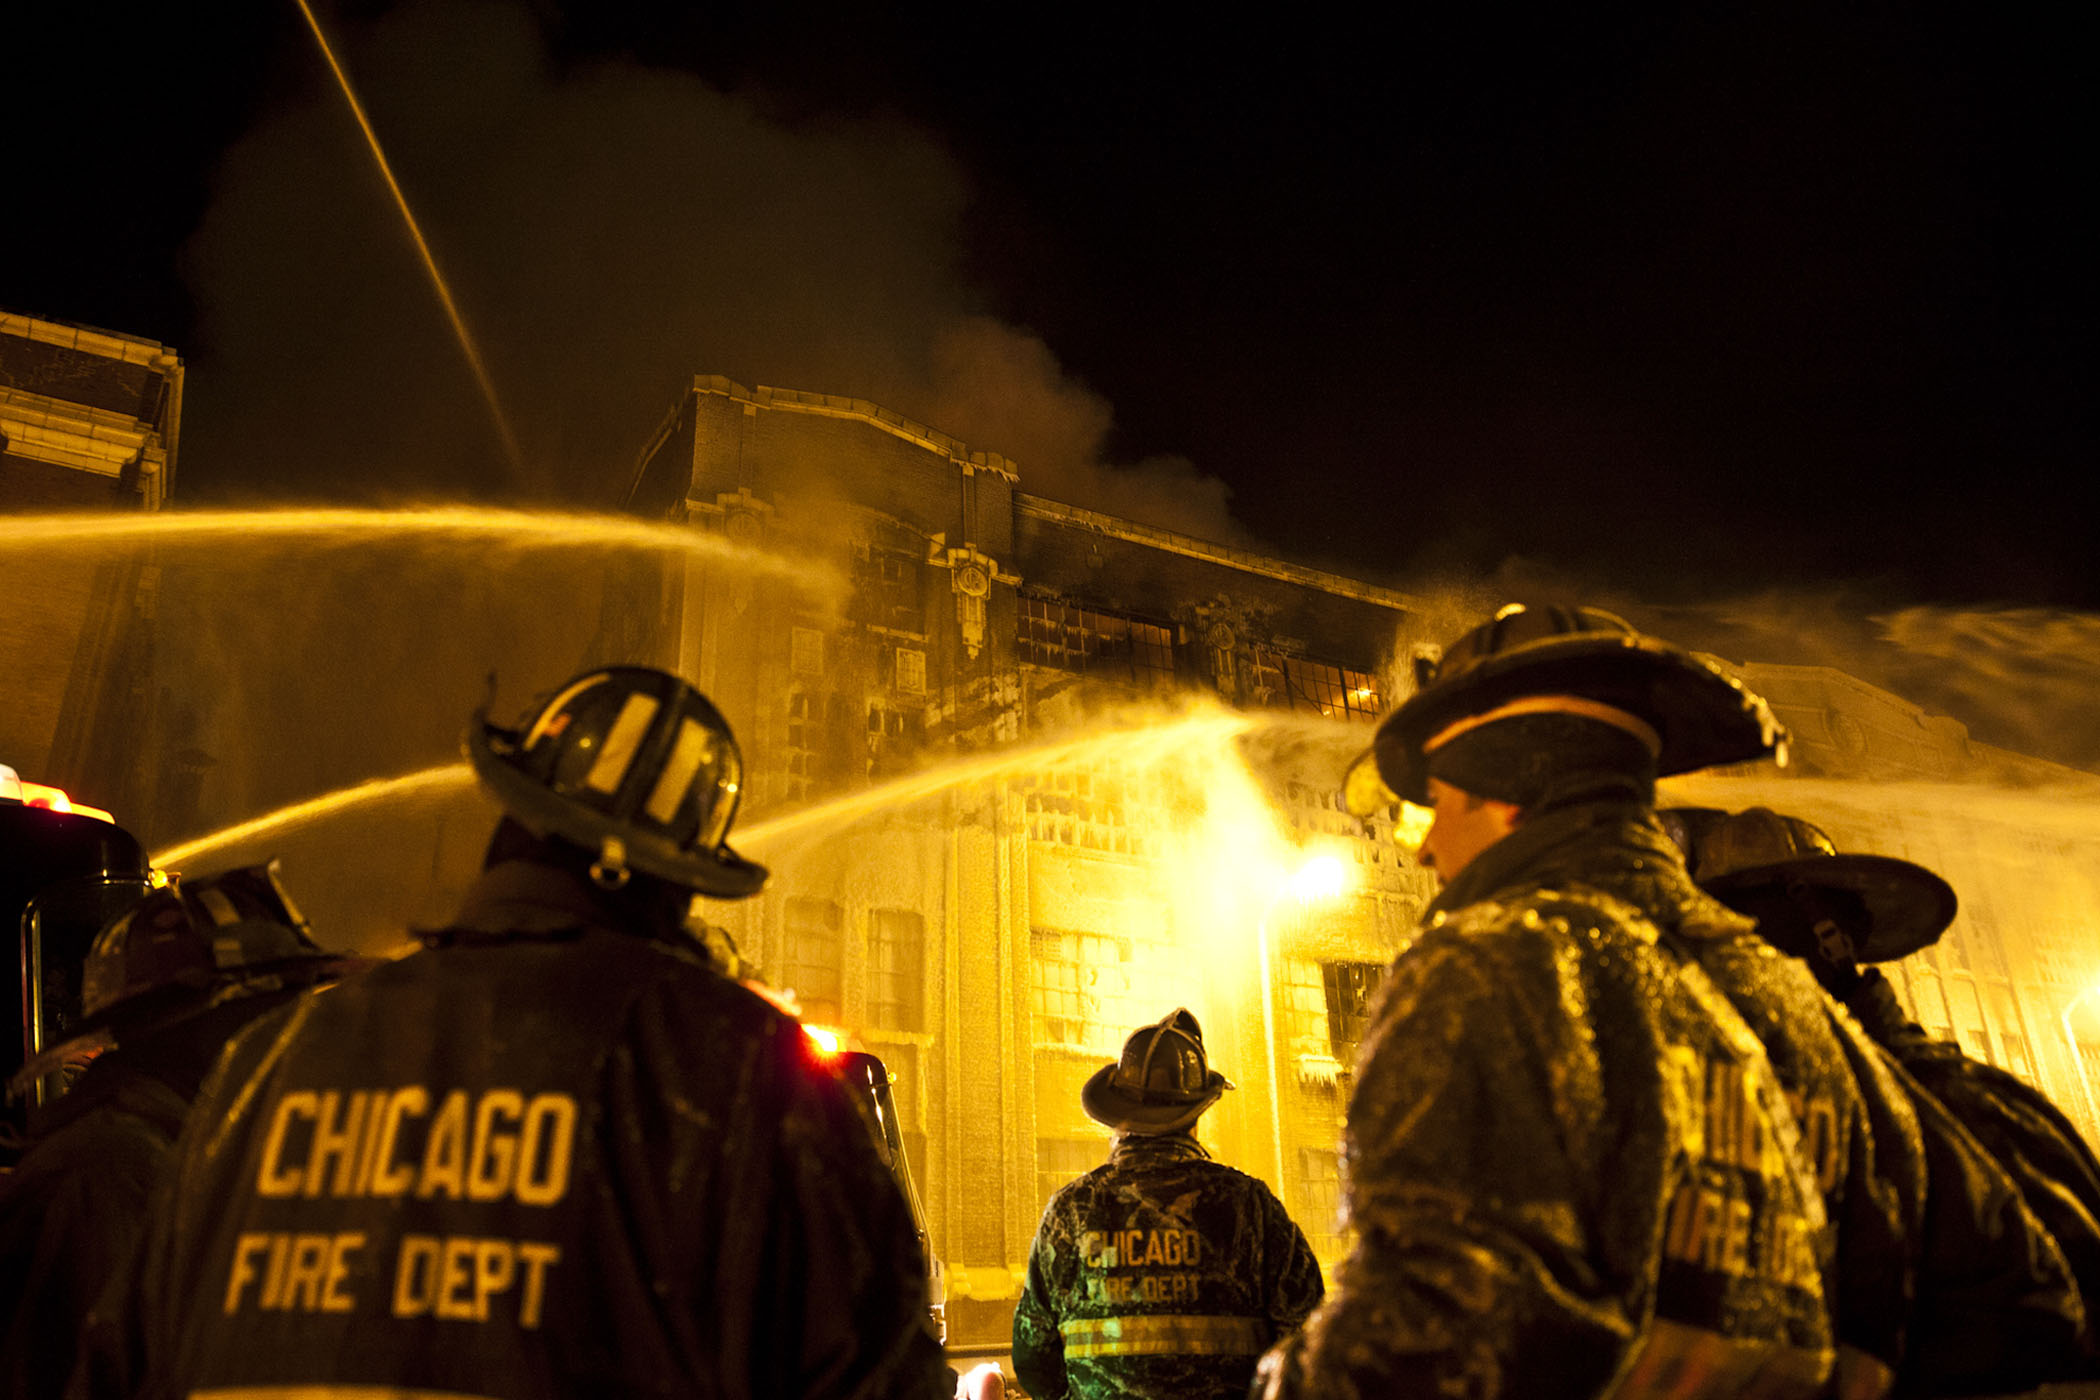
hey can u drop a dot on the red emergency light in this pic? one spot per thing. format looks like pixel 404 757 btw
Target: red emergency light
pixel 53 799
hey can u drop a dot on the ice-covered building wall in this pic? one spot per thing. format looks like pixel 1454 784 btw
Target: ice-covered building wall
pixel 997 936
pixel 996 941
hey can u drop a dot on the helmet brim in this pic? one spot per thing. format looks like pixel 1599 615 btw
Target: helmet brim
pixel 163 1009
pixel 1110 1105
pixel 719 873
pixel 1908 907
pixel 1703 718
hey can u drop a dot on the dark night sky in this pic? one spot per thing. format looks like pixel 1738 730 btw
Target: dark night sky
pixel 1692 304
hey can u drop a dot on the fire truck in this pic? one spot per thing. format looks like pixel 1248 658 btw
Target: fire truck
pixel 65 870
pixel 869 1078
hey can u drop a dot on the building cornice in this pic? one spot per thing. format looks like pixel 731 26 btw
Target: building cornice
pixel 1151 537
pixel 858 410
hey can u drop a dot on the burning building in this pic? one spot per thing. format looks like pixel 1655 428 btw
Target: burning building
pixel 1029 775
pixel 996 932
pixel 995 939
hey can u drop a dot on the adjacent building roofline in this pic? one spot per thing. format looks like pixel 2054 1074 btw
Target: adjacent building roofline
pixel 1037 507
pixel 108 344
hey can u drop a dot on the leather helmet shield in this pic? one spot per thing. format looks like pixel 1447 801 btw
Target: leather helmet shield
pixel 626 759
pixel 1908 907
pixel 1701 716
pixel 1162 1083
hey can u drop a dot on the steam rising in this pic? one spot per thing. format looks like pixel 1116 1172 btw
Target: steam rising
pixel 2018 678
pixel 610 231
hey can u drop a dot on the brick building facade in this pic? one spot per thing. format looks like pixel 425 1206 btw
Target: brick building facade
pixel 89 422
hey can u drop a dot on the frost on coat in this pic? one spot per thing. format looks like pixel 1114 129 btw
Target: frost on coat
pixel 71 1213
pixel 1571 1168
pixel 2047 1158
pixel 540 1158
pixel 1161 1275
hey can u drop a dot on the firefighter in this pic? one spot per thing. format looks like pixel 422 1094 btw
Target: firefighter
pixel 1162 1273
pixel 555 1151
pixel 1571 1167
pixel 163 988
pixel 2010 1324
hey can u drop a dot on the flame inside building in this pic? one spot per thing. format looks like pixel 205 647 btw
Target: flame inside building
pixel 1029 776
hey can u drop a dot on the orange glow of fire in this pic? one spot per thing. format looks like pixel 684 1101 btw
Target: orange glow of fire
pixel 53 799
pixel 1412 826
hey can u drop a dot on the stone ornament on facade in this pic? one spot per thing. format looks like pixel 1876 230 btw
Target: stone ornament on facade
pixel 972 574
pixel 1219 637
pixel 743 520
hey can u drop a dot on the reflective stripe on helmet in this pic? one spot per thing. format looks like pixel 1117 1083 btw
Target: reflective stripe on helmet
pixel 693 747
pixel 1164 1334
pixel 1551 705
pixel 629 728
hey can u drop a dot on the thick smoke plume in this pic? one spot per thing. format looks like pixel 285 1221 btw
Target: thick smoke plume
pixel 2019 678
pixel 609 231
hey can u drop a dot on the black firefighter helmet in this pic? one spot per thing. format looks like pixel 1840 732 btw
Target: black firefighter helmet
pixel 1568 658
pixel 634 766
pixel 1162 1084
pixel 187 948
pixel 1857 908
pixel 63 877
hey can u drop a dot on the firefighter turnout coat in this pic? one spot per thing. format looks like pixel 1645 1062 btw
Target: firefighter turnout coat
pixel 2043 1155
pixel 540 1158
pixel 1161 1275
pixel 71 1212
pixel 1855 1119
pixel 1572 1170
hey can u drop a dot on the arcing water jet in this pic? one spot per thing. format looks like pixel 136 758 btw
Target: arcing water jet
pixel 1139 745
pixel 427 781
pixel 415 233
pixel 346 527
pixel 1143 745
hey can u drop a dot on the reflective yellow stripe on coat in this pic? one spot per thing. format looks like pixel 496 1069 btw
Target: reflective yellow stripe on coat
pixel 1161 1334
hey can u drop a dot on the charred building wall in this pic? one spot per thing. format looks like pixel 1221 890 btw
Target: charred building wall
pixel 995 938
